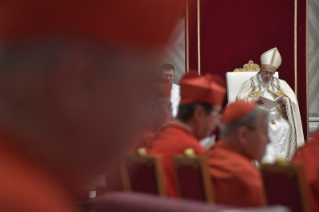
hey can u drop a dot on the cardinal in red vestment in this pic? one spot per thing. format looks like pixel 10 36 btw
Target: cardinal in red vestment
pixel 198 115
pixel 308 156
pixel 244 136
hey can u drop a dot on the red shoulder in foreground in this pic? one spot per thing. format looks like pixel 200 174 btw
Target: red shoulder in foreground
pixel 233 173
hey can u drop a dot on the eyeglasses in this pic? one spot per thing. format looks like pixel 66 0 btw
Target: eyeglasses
pixel 268 73
pixel 216 114
pixel 168 76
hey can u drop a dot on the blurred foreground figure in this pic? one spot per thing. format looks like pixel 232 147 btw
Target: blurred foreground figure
pixel 244 136
pixel 74 81
pixel 308 156
pixel 161 112
pixel 198 115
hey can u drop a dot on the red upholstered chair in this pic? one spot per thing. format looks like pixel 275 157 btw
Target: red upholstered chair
pixel 145 173
pixel 193 178
pixel 115 180
pixel 285 184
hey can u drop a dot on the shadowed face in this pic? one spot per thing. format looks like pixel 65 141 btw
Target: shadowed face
pixel 257 139
pixel 267 74
pixel 208 122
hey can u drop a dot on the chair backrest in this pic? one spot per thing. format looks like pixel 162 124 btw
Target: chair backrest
pixel 193 178
pixel 285 184
pixel 234 82
pixel 145 173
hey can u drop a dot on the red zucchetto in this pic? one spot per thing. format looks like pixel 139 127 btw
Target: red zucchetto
pixel 195 88
pixel 120 22
pixel 161 87
pixel 236 110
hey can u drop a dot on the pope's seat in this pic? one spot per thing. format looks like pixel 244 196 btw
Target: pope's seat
pixel 236 79
pixel 144 173
pixel 193 178
pixel 285 184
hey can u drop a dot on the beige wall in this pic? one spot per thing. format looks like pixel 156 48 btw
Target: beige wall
pixel 175 52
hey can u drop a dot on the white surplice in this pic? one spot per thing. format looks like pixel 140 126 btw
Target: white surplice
pixel 285 129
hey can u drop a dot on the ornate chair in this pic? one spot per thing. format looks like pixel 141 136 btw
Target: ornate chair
pixel 285 184
pixel 236 79
pixel 193 178
pixel 144 173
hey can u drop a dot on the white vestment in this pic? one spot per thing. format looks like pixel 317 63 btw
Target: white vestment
pixel 175 98
pixel 285 129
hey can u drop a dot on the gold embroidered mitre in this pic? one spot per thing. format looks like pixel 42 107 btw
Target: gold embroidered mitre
pixel 271 59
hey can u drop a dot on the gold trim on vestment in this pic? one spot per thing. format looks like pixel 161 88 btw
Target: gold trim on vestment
pixel 198 34
pixel 273 57
pixel 187 39
pixel 254 95
pixel 269 66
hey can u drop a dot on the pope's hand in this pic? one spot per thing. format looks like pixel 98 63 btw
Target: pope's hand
pixel 282 101
pixel 259 102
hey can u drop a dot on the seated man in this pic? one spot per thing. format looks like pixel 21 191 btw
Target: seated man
pixel 308 156
pixel 244 136
pixel 285 129
pixel 168 72
pixel 198 116
pixel 161 112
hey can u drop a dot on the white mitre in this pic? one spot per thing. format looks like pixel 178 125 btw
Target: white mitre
pixel 271 59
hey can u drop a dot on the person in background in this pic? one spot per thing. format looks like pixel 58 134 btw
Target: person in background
pixel 74 85
pixel 168 72
pixel 285 129
pixel 244 136
pixel 308 156
pixel 160 114
pixel 198 115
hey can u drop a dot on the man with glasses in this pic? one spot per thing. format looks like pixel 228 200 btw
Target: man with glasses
pixel 168 72
pixel 244 136
pixel 285 129
pixel 198 116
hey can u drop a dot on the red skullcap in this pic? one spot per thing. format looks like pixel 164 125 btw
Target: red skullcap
pixel 236 110
pixel 195 88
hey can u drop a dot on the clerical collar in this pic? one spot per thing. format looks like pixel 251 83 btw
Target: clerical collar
pixel 262 81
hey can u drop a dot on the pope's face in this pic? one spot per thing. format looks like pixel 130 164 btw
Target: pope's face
pixel 267 74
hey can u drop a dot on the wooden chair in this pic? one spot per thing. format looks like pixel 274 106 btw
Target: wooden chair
pixel 145 173
pixel 285 184
pixel 193 178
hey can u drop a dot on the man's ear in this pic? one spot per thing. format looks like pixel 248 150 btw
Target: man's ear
pixel 242 133
pixel 199 113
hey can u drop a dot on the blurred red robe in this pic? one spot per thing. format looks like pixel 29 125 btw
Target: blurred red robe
pixel 308 155
pixel 236 181
pixel 172 140
pixel 25 185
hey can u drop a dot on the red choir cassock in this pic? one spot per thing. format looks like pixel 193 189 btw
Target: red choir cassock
pixel 174 138
pixel 236 180
pixel 308 156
